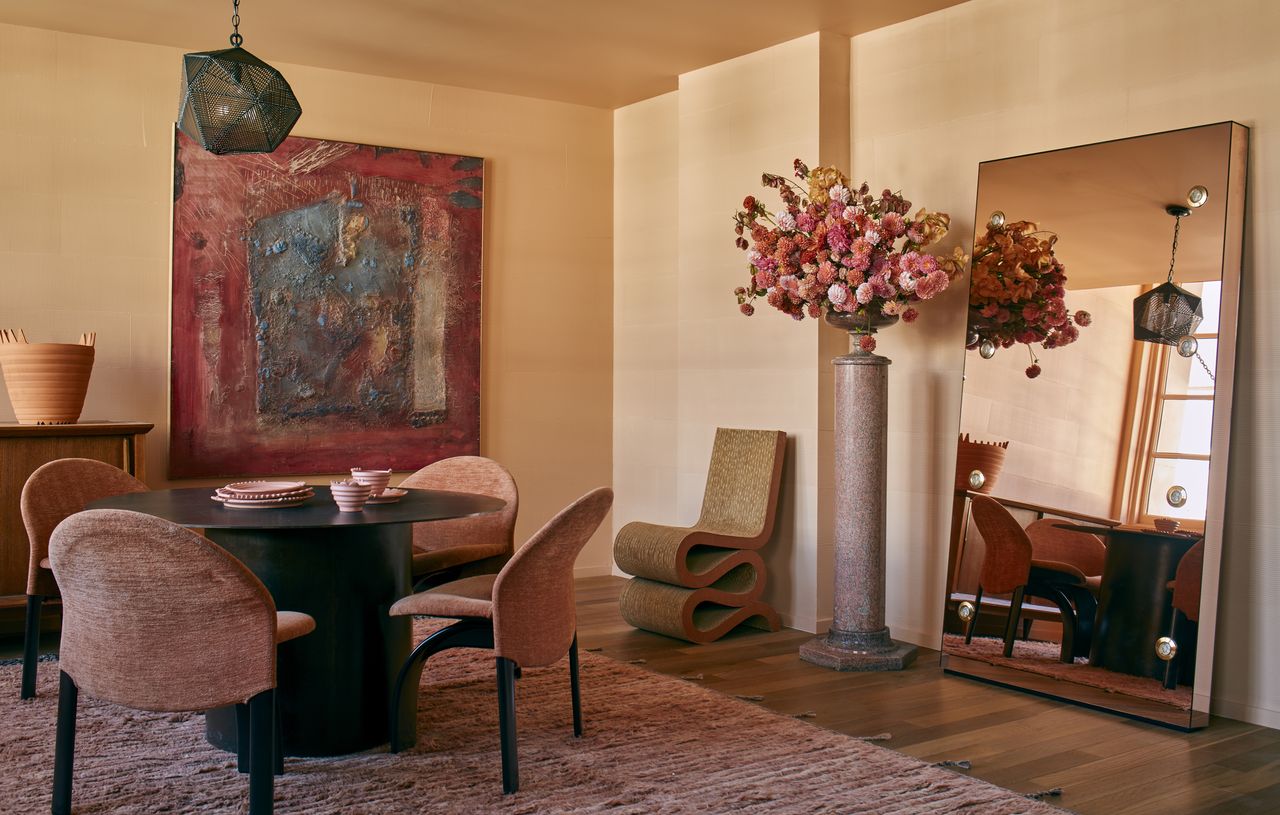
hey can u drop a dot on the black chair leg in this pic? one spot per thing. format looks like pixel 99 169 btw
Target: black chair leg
pixel 507 725
pixel 403 714
pixel 64 744
pixel 31 645
pixel 1026 629
pixel 575 688
pixel 262 762
pixel 977 611
pixel 1011 625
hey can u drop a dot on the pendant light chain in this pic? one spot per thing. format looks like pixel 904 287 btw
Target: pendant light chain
pixel 237 40
pixel 1177 222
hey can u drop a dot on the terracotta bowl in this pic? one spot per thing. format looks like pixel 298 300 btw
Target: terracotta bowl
pixel 349 496
pixel 377 479
pixel 1167 524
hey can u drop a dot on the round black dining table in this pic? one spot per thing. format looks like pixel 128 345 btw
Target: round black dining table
pixel 345 569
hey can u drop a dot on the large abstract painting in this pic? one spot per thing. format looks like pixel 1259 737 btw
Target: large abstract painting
pixel 326 309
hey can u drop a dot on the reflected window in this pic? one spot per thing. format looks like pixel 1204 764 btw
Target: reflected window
pixel 1183 405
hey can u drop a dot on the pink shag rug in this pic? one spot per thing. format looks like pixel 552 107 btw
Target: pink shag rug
pixel 653 744
pixel 1037 657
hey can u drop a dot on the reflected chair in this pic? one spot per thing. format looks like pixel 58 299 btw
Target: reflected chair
pixel 526 614
pixel 1186 599
pixel 157 618
pixel 463 547
pixel 700 582
pixel 53 492
pixel 1009 568
pixel 1084 551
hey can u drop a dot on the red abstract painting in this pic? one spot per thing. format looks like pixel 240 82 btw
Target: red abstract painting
pixel 326 309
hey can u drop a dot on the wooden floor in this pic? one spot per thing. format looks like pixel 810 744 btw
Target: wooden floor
pixel 1104 764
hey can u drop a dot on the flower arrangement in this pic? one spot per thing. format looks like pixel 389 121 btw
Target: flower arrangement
pixel 1018 292
pixel 833 249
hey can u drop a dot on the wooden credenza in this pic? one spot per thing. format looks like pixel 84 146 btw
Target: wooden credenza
pixel 23 448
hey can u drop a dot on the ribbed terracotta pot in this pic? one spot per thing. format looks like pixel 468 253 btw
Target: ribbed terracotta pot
pixel 987 456
pixel 46 381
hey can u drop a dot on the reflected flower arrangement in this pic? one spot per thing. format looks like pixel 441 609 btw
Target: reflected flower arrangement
pixel 1018 292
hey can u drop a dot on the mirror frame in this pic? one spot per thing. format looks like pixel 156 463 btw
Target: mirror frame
pixel 1232 272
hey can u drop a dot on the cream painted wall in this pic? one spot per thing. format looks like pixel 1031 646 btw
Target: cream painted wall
pixel 1065 427
pixel 85 188
pixel 686 360
pixel 933 97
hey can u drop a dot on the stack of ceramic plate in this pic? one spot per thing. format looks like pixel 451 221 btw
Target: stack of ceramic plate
pixel 263 494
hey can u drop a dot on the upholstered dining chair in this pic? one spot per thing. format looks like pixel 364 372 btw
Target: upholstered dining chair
pixel 448 550
pixel 1083 550
pixel 525 613
pixel 1186 600
pixel 1009 567
pixel 158 618
pixel 53 492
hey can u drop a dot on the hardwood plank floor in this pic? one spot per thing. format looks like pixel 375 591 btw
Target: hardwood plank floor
pixel 1105 764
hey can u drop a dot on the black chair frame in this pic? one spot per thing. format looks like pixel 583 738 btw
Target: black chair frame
pixel 1076 603
pixel 472 632
pixel 263 748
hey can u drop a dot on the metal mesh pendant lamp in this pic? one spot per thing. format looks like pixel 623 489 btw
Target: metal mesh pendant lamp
pixel 1168 313
pixel 235 102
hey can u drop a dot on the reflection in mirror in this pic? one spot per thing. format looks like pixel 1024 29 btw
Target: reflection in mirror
pixel 1091 471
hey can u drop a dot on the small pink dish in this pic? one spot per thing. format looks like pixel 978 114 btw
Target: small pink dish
pixel 350 496
pixel 377 479
pixel 1167 525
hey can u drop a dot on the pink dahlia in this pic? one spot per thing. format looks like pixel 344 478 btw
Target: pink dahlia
pixel 867 343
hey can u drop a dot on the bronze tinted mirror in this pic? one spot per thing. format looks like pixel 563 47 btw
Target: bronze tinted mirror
pixel 1091 473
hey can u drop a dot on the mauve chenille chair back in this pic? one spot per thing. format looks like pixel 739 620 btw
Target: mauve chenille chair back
pixel 1186 581
pixel 465 546
pixel 157 618
pixel 534 619
pixel 52 493
pixel 1007 563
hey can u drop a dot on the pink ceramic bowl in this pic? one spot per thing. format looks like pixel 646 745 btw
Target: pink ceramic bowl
pixel 377 479
pixel 1167 524
pixel 350 496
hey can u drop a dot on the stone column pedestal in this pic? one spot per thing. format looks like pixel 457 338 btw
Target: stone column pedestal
pixel 858 639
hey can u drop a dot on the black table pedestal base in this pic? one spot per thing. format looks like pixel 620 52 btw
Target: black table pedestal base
pixel 334 684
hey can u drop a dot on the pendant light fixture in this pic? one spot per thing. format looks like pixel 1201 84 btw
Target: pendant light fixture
pixel 235 102
pixel 1169 314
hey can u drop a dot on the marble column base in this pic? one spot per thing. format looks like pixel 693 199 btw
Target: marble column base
pixel 858 651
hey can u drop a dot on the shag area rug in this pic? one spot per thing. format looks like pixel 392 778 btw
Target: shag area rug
pixel 653 744
pixel 1041 658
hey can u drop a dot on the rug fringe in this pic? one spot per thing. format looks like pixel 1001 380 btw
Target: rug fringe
pixel 1043 794
pixel 963 764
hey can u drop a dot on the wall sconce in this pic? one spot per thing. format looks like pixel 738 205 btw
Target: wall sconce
pixel 1169 314
pixel 235 102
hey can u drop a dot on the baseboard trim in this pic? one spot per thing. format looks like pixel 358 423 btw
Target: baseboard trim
pixel 593 571
pixel 1244 712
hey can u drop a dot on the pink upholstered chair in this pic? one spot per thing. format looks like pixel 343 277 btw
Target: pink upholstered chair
pixel 1009 567
pixel 157 618
pixel 1186 600
pixel 1083 551
pixel 447 550
pixel 54 491
pixel 525 613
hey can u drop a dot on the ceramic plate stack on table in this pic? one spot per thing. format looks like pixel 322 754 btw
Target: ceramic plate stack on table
pixel 263 494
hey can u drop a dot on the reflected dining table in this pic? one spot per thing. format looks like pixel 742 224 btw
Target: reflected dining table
pixel 345 569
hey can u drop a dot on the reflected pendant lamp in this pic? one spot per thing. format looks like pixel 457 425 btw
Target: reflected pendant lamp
pixel 1168 313
pixel 234 102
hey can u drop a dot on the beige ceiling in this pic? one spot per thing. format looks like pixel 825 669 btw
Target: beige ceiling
pixel 604 53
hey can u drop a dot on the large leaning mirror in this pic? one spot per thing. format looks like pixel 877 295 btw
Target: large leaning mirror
pixel 1091 473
